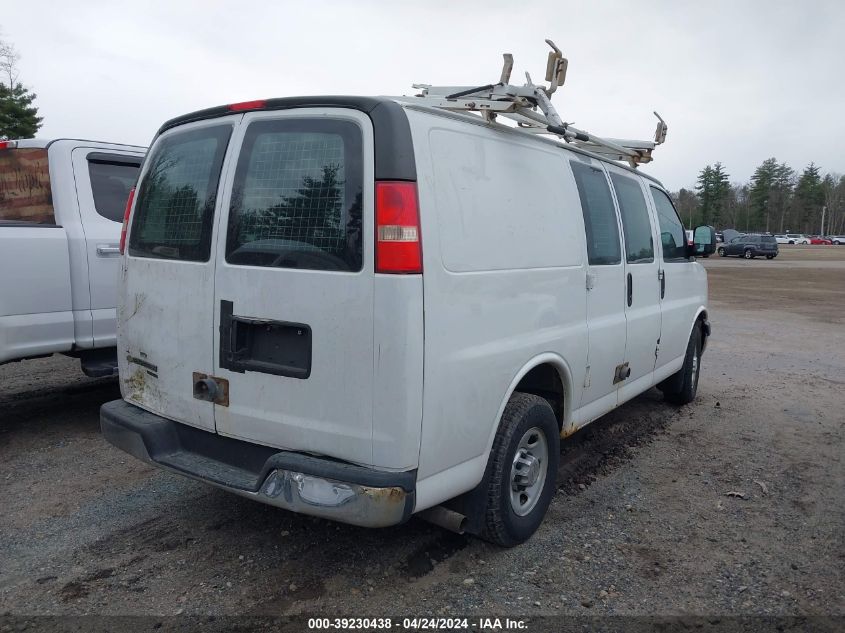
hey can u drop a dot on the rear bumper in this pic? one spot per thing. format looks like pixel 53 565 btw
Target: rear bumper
pixel 301 483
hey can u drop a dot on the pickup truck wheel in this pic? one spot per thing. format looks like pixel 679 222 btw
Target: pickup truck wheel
pixel 749 254
pixel 722 252
pixel 682 386
pixel 524 461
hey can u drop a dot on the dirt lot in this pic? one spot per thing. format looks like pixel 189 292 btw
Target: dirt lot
pixel 642 523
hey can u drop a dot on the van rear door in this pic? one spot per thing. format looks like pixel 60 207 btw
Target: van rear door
pixel 293 299
pixel 165 310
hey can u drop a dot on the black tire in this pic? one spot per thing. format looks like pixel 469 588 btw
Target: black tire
pixel 722 252
pixel 749 254
pixel 502 525
pixel 770 256
pixel 681 387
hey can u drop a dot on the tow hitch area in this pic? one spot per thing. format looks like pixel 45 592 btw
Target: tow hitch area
pixel 211 389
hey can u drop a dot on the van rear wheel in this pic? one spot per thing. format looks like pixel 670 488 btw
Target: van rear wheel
pixel 524 461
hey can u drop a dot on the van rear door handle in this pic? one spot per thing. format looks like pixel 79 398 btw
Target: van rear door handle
pixel 630 290
pixel 107 250
pixel 662 277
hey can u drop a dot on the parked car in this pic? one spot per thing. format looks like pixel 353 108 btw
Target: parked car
pixel 61 207
pixel 691 239
pixel 313 380
pixel 782 239
pixel 818 240
pixel 750 246
pixel 837 239
pixel 797 238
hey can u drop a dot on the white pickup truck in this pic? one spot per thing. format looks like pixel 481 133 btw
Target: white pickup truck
pixel 62 202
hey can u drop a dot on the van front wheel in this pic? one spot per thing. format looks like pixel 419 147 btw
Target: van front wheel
pixel 680 388
pixel 523 475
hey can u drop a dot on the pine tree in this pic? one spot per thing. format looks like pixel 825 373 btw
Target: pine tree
pixel 713 187
pixel 809 198
pixel 18 117
pixel 783 183
pixel 761 191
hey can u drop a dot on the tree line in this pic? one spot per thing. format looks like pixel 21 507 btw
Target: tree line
pixel 777 199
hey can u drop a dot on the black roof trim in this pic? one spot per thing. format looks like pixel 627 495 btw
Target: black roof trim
pixel 115 159
pixel 394 151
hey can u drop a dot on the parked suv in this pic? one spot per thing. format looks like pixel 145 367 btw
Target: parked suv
pixel 62 202
pixel 365 308
pixel 750 246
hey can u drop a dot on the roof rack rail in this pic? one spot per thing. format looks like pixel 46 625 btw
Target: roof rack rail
pixel 521 104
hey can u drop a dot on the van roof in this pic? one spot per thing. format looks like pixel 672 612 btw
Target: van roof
pixel 44 143
pixel 393 162
pixel 476 120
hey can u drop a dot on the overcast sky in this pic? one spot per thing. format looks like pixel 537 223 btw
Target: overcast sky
pixel 737 81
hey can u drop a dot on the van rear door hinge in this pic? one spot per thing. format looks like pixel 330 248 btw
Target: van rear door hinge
pixel 591 281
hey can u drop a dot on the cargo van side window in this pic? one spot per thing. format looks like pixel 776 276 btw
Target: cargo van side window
pixel 639 243
pixel 174 214
pixel 600 223
pixel 25 196
pixel 672 234
pixel 297 196
pixel 110 184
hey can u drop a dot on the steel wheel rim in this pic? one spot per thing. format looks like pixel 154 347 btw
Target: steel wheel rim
pixel 695 367
pixel 528 471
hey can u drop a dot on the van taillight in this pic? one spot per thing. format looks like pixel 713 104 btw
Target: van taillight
pixel 126 220
pixel 398 245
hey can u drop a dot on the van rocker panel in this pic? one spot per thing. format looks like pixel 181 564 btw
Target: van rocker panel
pixel 302 483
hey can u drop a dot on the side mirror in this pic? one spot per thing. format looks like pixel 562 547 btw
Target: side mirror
pixel 704 240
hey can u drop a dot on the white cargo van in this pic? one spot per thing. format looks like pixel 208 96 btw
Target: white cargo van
pixel 365 308
pixel 62 202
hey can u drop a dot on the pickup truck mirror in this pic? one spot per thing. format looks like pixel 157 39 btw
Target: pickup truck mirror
pixel 704 240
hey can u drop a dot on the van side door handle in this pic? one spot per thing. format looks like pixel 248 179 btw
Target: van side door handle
pixel 630 289
pixel 661 275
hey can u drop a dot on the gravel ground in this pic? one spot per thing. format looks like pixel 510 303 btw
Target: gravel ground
pixel 731 506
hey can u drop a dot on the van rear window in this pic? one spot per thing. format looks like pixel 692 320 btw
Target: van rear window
pixel 25 196
pixel 174 214
pixel 296 199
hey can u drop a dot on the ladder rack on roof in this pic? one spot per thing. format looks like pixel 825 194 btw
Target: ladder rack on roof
pixel 521 104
